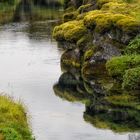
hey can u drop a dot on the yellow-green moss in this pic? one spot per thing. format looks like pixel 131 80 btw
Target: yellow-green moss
pixel 69 31
pixel 13 121
pixel 103 21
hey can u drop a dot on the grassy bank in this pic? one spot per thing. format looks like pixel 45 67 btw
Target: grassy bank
pixel 13 120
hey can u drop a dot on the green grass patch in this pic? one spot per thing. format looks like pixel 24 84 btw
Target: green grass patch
pixel 13 120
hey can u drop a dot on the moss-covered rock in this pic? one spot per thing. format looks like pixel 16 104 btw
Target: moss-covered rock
pixel 102 21
pixel 133 47
pixel 70 31
pixel 118 65
pixel 131 79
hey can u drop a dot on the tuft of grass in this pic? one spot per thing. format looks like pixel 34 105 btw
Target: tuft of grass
pixel 13 120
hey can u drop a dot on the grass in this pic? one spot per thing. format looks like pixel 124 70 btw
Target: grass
pixel 13 120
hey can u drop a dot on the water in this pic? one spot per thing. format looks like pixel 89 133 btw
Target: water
pixel 30 66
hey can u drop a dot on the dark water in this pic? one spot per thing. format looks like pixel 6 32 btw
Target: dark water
pixel 30 66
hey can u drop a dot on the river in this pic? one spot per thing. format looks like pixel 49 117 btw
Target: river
pixel 30 66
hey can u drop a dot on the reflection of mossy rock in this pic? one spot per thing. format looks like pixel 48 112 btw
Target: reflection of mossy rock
pixel 103 121
pixel 68 80
pixel 70 94
pixel 118 113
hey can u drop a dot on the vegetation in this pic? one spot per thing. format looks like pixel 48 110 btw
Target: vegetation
pixel 70 31
pixel 106 36
pixel 131 79
pixel 13 120
pixel 133 47
pixel 118 65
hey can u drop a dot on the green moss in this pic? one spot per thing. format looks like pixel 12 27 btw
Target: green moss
pixel 10 134
pixel 13 121
pixel 131 79
pixel 117 65
pixel 133 47
pixel 70 31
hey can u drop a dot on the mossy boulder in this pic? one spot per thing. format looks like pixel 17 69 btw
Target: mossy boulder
pixel 118 65
pixel 131 79
pixel 70 31
pixel 102 21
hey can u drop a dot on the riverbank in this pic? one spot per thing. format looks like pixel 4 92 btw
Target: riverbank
pixel 13 120
pixel 101 40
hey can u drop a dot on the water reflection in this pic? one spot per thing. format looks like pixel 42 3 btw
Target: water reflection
pixel 29 10
pixel 117 112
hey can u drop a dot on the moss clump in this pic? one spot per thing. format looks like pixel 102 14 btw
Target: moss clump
pixel 102 21
pixel 70 16
pixel 117 65
pixel 129 25
pixel 134 46
pixel 70 31
pixel 131 79
pixel 13 121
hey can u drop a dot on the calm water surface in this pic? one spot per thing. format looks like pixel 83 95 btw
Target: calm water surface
pixel 30 67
